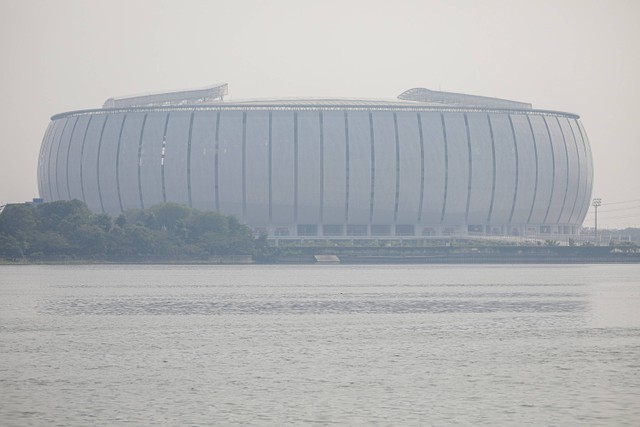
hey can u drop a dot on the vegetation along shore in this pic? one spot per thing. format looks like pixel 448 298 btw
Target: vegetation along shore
pixel 68 232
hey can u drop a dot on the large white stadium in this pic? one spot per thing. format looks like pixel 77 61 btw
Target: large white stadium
pixel 427 164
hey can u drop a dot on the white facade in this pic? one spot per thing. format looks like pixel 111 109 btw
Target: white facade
pixel 329 168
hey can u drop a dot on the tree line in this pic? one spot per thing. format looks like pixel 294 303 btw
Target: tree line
pixel 68 230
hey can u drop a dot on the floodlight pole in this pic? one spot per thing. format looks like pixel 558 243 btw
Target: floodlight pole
pixel 596 202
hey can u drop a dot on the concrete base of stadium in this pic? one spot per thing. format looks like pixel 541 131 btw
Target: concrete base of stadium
pixel 407 231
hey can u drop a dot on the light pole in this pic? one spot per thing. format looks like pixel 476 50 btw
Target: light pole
pixel 596 202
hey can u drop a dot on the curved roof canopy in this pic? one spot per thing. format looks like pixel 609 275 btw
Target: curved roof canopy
pixel 179 97
pixel 214 95
pixel 452 99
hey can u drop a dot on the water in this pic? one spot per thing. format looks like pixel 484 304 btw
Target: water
pixel 348 345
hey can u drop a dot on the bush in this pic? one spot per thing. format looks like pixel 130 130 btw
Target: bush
pixel 69 230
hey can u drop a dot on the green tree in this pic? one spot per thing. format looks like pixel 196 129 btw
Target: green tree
pixel 169 215
pixel 63 216
pixel 68 229
pixel 200 223
pixel 10 247
pixel 50 243
pixel 18 221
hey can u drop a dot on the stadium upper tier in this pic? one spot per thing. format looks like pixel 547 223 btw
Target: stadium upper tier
pixel 442 164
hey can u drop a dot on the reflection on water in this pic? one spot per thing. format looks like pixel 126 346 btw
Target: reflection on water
pixel 251 345
pixel 268 306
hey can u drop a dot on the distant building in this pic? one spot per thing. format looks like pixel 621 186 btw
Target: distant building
pixel 427 164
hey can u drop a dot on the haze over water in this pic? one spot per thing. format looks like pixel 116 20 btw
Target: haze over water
pixel 267 345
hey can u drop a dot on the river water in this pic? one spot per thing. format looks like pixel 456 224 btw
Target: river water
pixel 347 345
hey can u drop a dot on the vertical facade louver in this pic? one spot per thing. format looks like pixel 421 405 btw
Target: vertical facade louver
pixel 331 168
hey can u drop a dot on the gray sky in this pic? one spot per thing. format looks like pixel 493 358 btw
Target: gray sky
pixel 580 56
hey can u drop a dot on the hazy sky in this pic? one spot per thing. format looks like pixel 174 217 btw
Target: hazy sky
pixel 571 55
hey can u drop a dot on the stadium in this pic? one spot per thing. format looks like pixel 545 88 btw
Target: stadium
pixel 425 164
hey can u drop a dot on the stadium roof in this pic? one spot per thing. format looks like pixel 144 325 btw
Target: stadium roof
pixel 452 99
pixel 179 97
pixel 211 97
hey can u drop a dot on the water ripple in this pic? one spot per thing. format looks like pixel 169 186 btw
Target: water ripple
pixel 170 306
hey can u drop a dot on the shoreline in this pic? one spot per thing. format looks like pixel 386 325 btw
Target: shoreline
pixel 351 260
pixel 351 255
